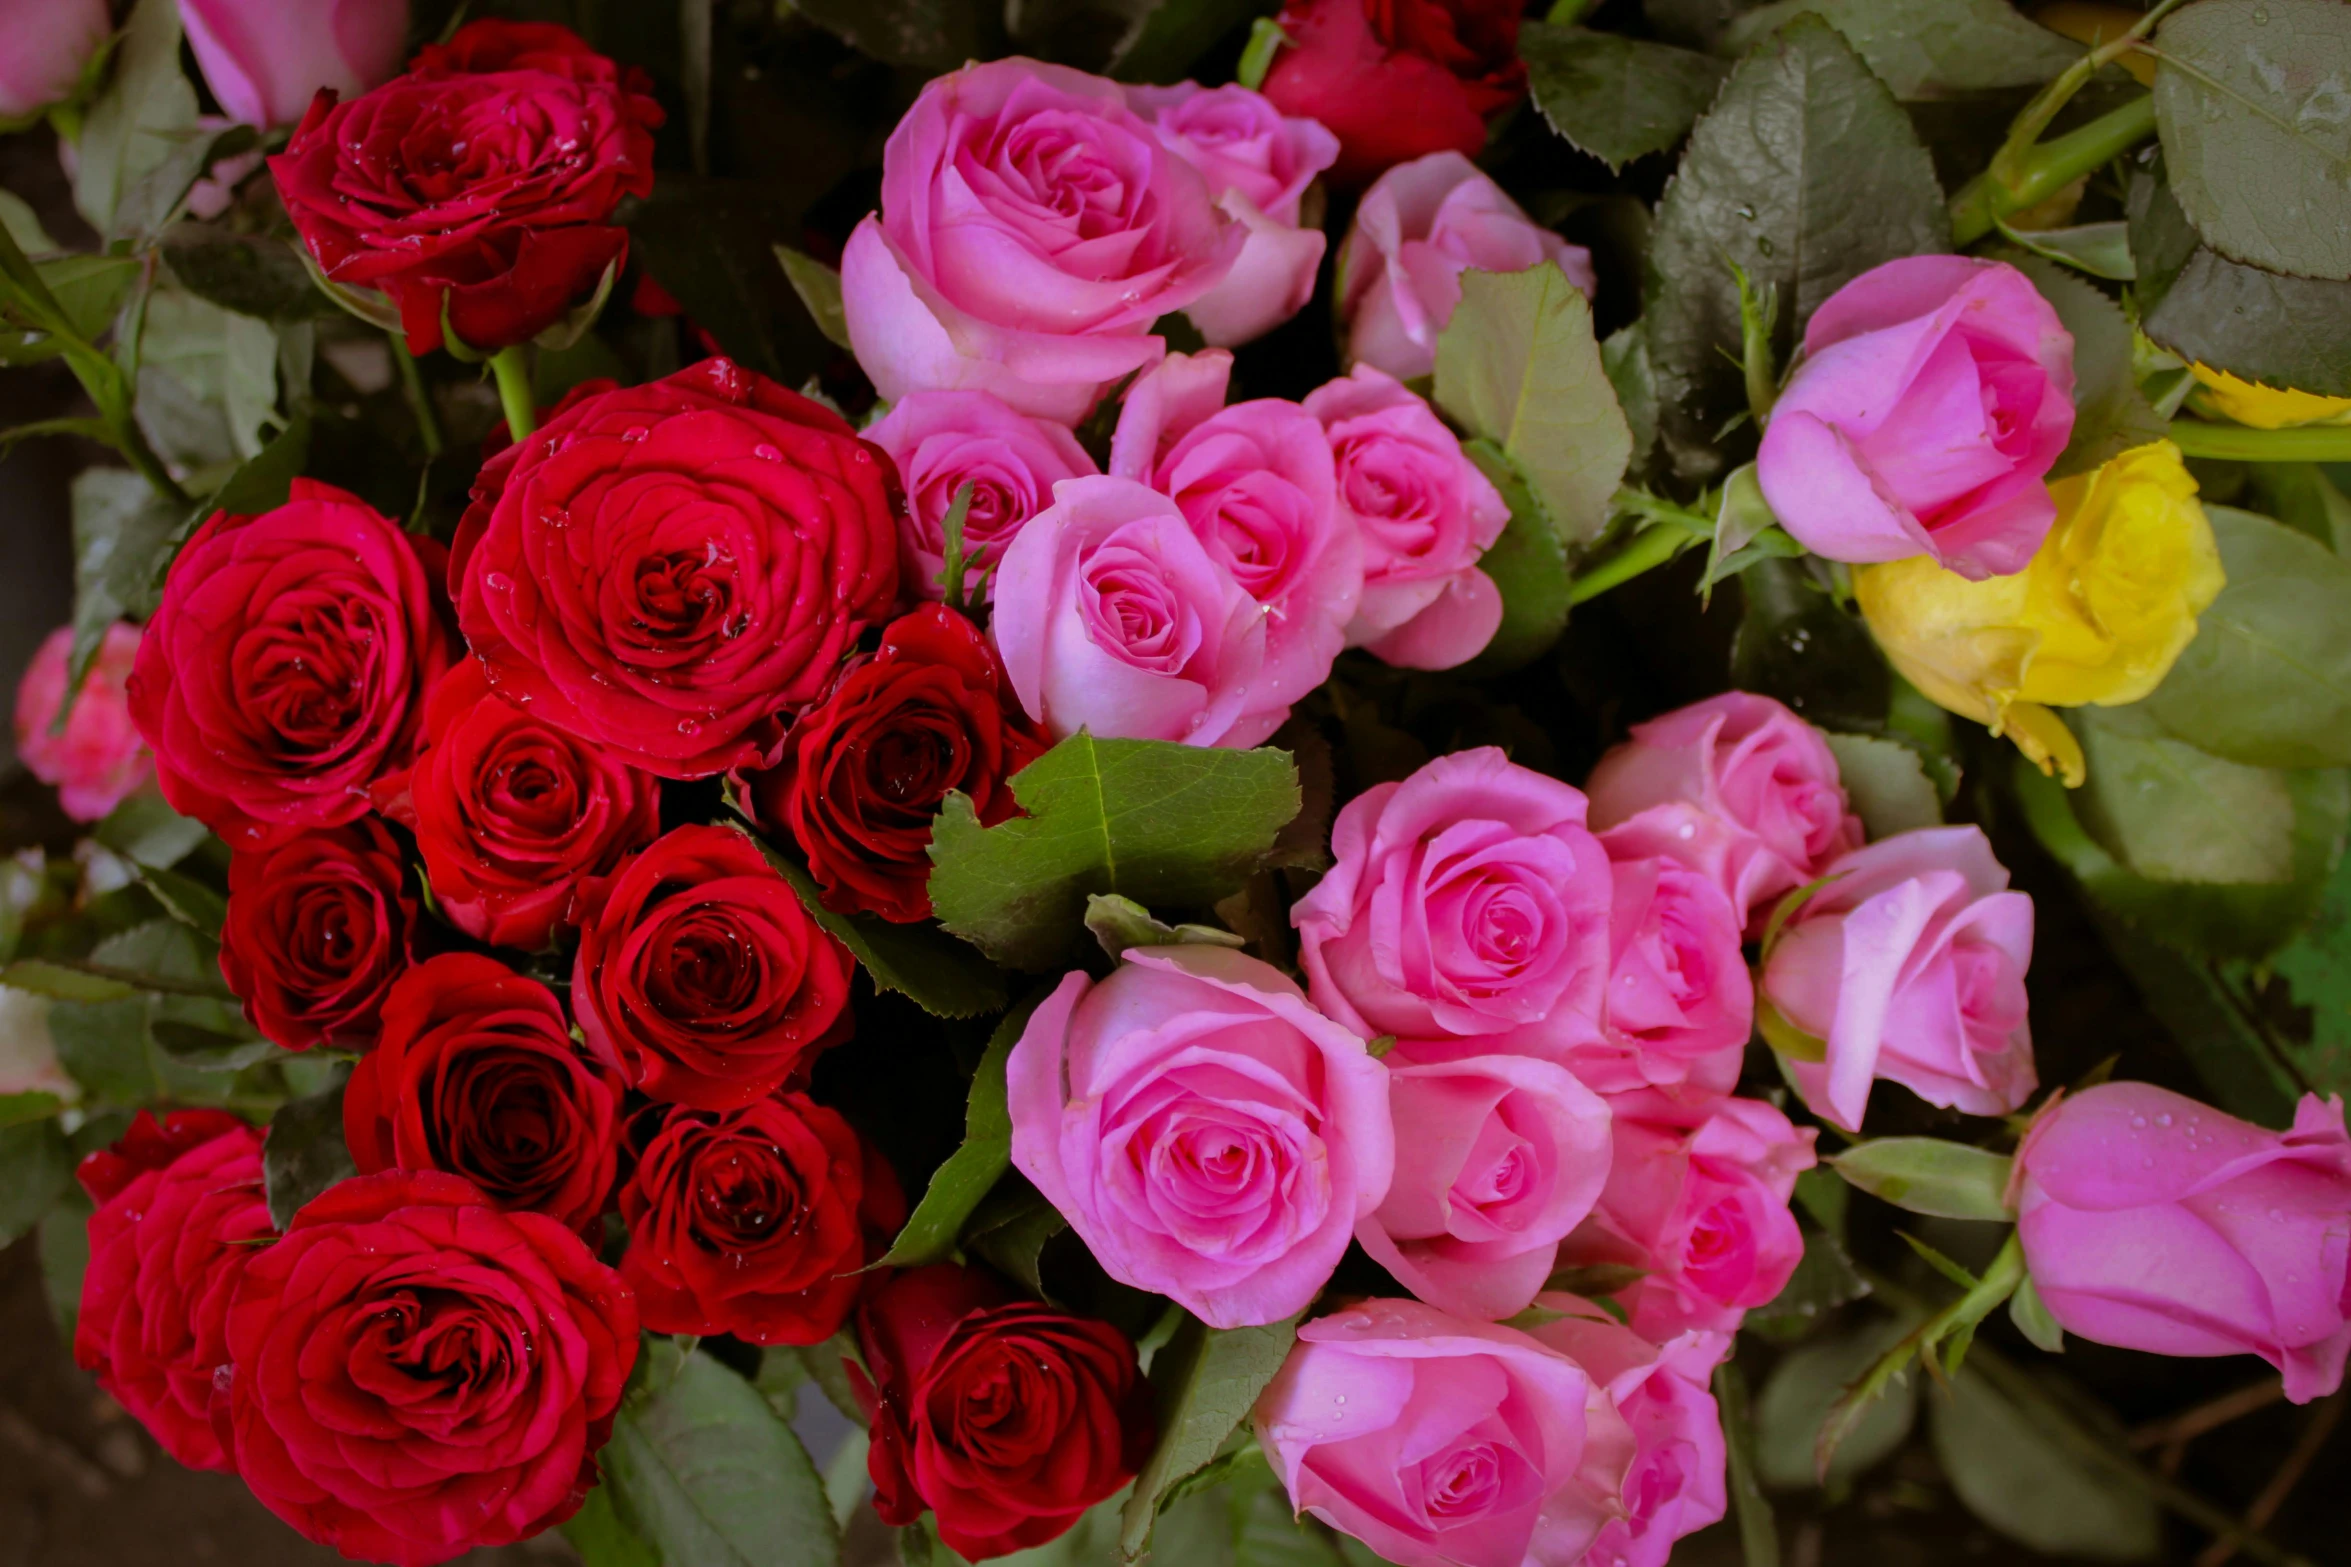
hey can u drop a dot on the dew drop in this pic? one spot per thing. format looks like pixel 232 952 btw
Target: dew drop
pixel 2163 1119
pixel 633 434
pixel 498 582
pixel 689 727
pixel 766 453
pixel 2138 1120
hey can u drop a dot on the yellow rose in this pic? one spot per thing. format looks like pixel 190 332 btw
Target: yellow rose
pixel 2097 616
pixel 2268 407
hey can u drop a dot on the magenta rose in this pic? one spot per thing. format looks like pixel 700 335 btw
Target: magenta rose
pixel 99 759
pixel 266 59
pixel 942 441
pixel 1679 1004
pixel 1208 1134
pixel 1933 397
pixel 50 42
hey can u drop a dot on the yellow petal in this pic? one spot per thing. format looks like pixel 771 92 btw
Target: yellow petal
pixel 2268 407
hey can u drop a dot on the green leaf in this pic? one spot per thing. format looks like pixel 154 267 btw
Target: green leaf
pixel 2009 1472
pixel 1120 923
pixel 1928 48
pixel 145 830
pixel 1614 97
pixel 1170 826
pixel 89 289
pixel 2251 102
pixel 2170 812
pixel 187 900
pixel 207 380
pixel 1759 1536
pixel 711 243
pixel 958 1186
pixel 1805 1386
pixel 1823 1281
pixel 928 35
pixel 65 1256
pixel 2260 326
pixel 1528 563
pixel 942 976
pixel 120 527
pixel 1624 353
pixel 59 982
pixel 2316 966
pixel 826 1367
pixel 2100 249
pixel 24 225
pixel 251 274
pixel 602 1540
pixel 1010 1231
pixel 2111 414
pixel 819 288
pixel 1165 42
pixel 1207 1380
pixel 1888 784
pixel 2031 1315
pixel 1796 644
pixel 2300 495
pixel 35 1168
pixel 303 1152
pixel 34 1105
pixel 2242 1068
pixel 1929 1175
pixel 144 119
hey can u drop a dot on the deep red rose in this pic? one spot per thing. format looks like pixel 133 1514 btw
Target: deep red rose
pixel 179 1212
pixel 1397 79
pixel 287 665
pixel 477 1074
pixel 864 771
pixel 663 569
pixel 701 977
pixel 755 1221
pixel 510 813
pixel 318 928
pixel 418 1374
pixel 477 190
pixel 1006 1418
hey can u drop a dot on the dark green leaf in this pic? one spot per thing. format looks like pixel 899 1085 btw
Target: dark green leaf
pixel 2316 965
pixel 103 1045
pixel 187 900
pixel 2170 812
pixel 35 1169
pixel 711 243
pixel 120 529
pixel 145 830
pixel 819 288
pixel 1207 1380
pixel 1010 1231
pixel 2111 414
pixel 1928 48
pixel 958 1186
pixel 1823 1281
pixel 1888 784
pixel 89 289
pixel 1163 46
pixel 1929 1175
pixel 2012 1475
pixel 929 35
pixel 602 1540
pixel 1795 644
pixel 1616 98
pixel 251 274
pixel 17 1109
pixel 1759 1538
pixel 1120 923
pixel 1799 1394
pixel 1528 563
pixel 303 1153
pixel 2300 495
pixel 1625 354
pixel 2100 249
pixel 2260 326
pixel 941 975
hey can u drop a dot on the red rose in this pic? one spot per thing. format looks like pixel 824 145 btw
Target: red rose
pixel 418 1374
pixel 1397 79
pixel 663 569
pixel 286 667
pixel 318 928
pixel 179 1211
pixel 510 812
pixel 1005 1418
pixel 477 1074
pixel 477 189
pixel 864 771
pixel 755 1221
pixel 701 976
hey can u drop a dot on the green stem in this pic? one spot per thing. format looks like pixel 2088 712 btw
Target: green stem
pixel 1644 551
pixel 420 400
pixel 1759 1538
pixel 1265 41
pixel 510 366
pixel 2242 443
pixel 2050 168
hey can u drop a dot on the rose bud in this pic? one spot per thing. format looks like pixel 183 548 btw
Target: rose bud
pixel 99 759
pixel 179 1210
pixel 266 59
pixel 1395 81
pixel 50 45
pixel 318 928
pixel 942 441
pixel 2152 1222
pixel 1006 1418
pixel 1679 1004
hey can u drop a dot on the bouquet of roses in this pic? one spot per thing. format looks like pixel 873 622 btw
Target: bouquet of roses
pixel 1070 882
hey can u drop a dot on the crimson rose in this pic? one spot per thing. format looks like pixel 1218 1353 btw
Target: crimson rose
pixel 318 928
pixel 1397 79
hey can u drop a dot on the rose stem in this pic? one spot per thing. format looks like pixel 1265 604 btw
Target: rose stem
pixel 420 401
pixel 2241 443
pixel 2050 168
pixel 514 390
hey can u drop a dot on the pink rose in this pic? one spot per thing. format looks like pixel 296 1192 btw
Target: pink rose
pixel 1756 801
pixel 1032 229
pixel 1910 965
pixel 1425 515
pixel 49 44
pixel 1420 226
pixel 2152 1222
pixel 99 759
pixel 1111 616
pixel 1259 162
pixel 1443 1443
pixel 1933 396
pixel 266 59
pixel 1506 1156
pixel 1679 1004
pixel 1468 906
pixel 942 441
pixel 1208 1134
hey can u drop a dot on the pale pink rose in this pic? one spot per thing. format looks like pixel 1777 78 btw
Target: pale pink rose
pixel 2152 1222
pixel 1467 905
pixel 1426 516
pixel 1679 1004
pixel 1910 964
pixel 1504 1156
pixel 1934 395
pixel 48 44
pixel 1032 229
pixel 99 759
pixel 266 59
pixel 1208 1134
pixel 1420 226
pixel 1444 1443
pixel 1760 807
pixel 1112 616
pixel 942 441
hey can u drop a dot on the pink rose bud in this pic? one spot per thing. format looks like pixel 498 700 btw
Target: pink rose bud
pixel 1208 1134
pixel 99 759
pixel 49 44
pixel 1420 226
pixel 1506 1156
pixel 2152 1222
pixel 1444 1443
pixel 1426 516
pixel 1468 906
pixel 1933 396
pixel 1755 800
pixel 1679 1004
pixel 942 441
pixel 1910 964
pixel 266 59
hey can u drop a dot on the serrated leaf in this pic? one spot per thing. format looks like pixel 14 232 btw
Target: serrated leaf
pixel 939 974
pixel 303 1152
pixel 145 118
pixel 972 1170
pixel 1207 1379
pixel 1823 1281
pixel 1614 97
pixel 36 1166
pixel 2100 249
pixel 1010 1231
pixel 1888 784
pixel 2260 326
pixel 1929 1175
pixel 1928 48
pixel 145 830
pixel 2111 414
pixel 187 900
pixel 1528 563
pixel 819 288
pixel 2170 812
pixel 1806 1385
pixel 120 528
pixel 252 274
pixel 2010 1474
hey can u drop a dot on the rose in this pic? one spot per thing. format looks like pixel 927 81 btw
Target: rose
pixel 1208 1134
pixel 865 770
pixel 1679 1005
pixel 318 928
pixel 1467 904
pixel 663 568
pixel 1508 1154
pixel 1910 966
pixel 50 44
pixel 1425 515
pixel 700 977
pixel 942 441
pixel 755 1221
pixel 1006 1418
pixel 1398 80
pixel 1439 1442
pixel 1111 616
pixel 2152 1222
pixel 265 62
pixel 179 1214
pixel 287 664
pixel 476 1074
pixel 510 812
pixel 1032 229
pixel 1417 230
pixel 418 1374
pixel 476 191
pixel 1934 394
pixel 99 760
